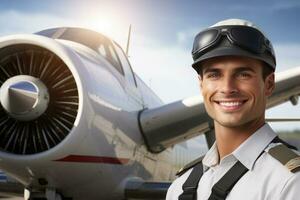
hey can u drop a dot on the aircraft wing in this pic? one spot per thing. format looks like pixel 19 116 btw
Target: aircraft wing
pixel 287 88
pixel 176 122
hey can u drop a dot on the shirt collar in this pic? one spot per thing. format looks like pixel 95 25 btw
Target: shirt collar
pixel 211 158
pixel 248 152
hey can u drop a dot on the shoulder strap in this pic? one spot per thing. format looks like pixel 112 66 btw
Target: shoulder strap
pixel 286 156
pixel 191 184
pixel 222 188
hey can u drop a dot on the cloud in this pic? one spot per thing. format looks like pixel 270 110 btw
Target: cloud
pixel 285 5
pixel 13 22
pixel 288 55
pixel 258 6
pixel 166 69
pixel 187 36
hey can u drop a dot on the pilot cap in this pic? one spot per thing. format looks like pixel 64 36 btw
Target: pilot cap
pixel 225 48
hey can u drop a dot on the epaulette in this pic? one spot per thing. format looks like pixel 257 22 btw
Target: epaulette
pixel 189 166
pixel 286 156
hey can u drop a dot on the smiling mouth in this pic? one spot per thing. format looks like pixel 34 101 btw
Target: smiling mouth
pixel 231 105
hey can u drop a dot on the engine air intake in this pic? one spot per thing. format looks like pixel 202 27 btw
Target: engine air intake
pixel 33 122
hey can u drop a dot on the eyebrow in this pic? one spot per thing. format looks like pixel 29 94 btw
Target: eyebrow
pixel 242 69
pixel 210 69
pixel 237 70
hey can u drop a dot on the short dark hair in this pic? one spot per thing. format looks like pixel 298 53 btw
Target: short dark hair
pixel 266 70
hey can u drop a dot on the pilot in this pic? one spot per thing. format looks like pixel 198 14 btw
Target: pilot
pixel 235 63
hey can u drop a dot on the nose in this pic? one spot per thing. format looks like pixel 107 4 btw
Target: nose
pixel 228 86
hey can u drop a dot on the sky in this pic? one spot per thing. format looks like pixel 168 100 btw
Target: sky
pixel 163 32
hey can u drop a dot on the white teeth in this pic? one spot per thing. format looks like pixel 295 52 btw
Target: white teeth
pixel 235 103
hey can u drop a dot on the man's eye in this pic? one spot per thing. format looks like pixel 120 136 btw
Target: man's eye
pixel 213 75
pixel 244 75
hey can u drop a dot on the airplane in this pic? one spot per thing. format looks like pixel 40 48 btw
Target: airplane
pixel 77 123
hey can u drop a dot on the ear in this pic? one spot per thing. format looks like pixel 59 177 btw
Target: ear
pixel 269 84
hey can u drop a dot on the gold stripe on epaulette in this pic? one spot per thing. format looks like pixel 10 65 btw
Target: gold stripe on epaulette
pixel 293 164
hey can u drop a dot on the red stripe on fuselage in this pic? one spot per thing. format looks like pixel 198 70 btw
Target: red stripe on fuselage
pixel 94 159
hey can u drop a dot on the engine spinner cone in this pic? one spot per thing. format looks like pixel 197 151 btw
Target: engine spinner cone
pixel 24 98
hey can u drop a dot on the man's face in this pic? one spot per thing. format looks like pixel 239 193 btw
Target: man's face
pixel 234 91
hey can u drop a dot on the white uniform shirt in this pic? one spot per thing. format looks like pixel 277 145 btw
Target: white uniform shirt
pixel 267 178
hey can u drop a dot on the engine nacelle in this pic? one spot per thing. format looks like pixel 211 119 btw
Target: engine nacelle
pixel 39 98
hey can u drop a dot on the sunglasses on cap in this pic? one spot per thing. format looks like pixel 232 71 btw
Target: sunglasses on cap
pixel 245 37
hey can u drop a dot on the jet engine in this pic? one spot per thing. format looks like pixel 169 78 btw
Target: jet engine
pixel 39 99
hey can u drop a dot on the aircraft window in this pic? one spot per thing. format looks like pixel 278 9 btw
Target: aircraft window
pixel 113 54
pixel 91 39
pixel 86 37
pixel 114 59
pixel 126 65
pixel 102 51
